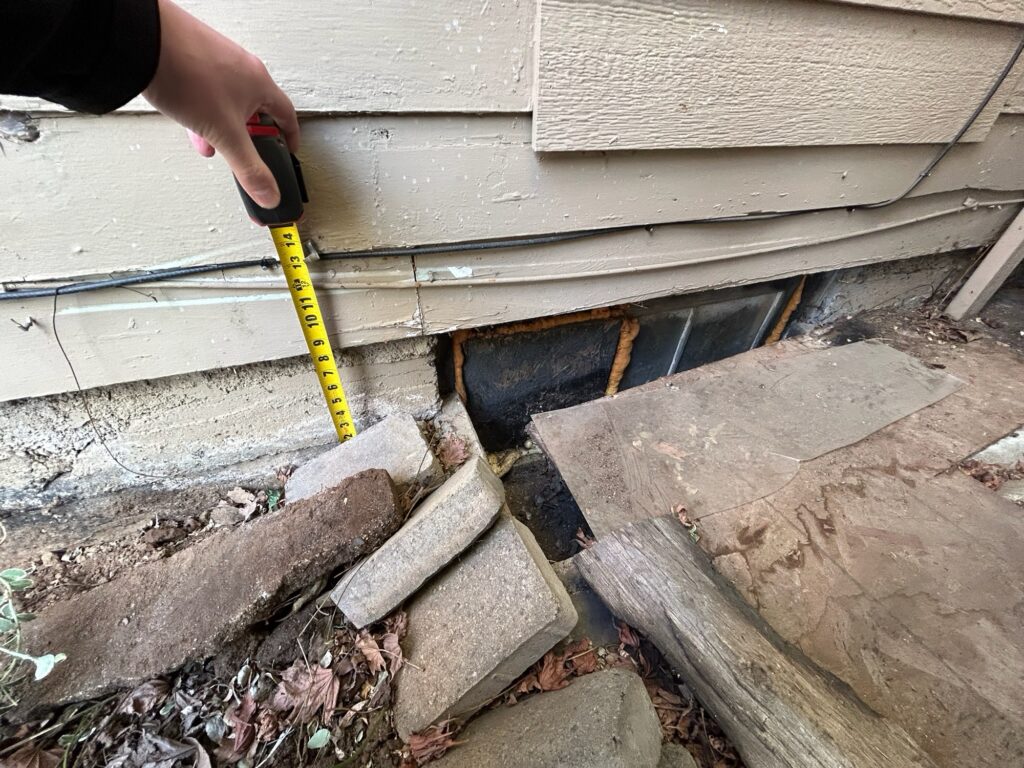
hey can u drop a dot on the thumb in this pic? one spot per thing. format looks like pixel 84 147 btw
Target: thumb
pixel 250 170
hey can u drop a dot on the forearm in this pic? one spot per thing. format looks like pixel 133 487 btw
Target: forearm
pixel 89 55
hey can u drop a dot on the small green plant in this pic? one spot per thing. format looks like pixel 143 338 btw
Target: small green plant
pixel 12 669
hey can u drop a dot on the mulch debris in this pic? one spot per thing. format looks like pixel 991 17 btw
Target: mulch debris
pixel 993 476
pixel 331 706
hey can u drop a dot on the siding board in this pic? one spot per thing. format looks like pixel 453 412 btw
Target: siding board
pixel 1015 100
pixel 636 266
pixel 160 330
pixel 411 180
pixel 991 10
pixel 169 328
pixel 657 74
pixel 379 55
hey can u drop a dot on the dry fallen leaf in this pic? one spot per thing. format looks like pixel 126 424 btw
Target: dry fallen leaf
pixel 528 684
pixel 453 451
pixel 350 716
pixel 269 724
pixel 553 675
pixel 240 719
pixel 581 657
pixel 432 743
pixel 202 758
pixel 398 623
pixel 393 649
pixel 144 698
pixel 554 670
pixel 627 636
pixel 33 756
pixel 583 539
pixel 304 691
pixel 673 713
pixel 371 651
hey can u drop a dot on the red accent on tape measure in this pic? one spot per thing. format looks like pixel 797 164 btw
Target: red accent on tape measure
pixel 263 130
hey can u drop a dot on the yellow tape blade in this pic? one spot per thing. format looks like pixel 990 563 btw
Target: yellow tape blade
pixel 311 320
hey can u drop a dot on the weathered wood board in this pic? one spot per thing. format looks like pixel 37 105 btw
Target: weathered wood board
pixel 721 435
pixel 999 263
pixel 778 710
pixel 900 575
pixel 246 316
pixel 163 329
pixel 393 181
pixel 658 74
pixel 879 562
pixel 379 55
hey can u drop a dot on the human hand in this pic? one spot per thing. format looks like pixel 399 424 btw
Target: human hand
pixel 212 86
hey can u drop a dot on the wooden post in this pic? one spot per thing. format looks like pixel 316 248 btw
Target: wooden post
pixel 1004 257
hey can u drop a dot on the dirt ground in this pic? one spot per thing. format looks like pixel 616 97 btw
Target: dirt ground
pixel 59 575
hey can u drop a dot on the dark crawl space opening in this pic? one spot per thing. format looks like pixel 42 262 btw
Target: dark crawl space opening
pixel 507 373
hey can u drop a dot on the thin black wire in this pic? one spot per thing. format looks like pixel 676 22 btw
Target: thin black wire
pixel 532 240
pixel 85 399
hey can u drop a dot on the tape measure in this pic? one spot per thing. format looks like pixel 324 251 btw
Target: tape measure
pixel 282 223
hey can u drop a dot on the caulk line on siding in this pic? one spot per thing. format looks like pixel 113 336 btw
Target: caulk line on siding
pixel 142 305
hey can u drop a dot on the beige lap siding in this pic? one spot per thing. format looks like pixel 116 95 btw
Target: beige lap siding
pixel 663 74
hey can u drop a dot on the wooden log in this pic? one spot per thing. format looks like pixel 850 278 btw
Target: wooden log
pixel 775 705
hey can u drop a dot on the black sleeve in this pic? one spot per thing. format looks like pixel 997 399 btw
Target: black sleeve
pixel 89 55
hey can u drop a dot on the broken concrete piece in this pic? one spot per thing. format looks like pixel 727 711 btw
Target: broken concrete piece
pixel 394 444
pixel 478 626
pixel 602 720
pixel 676 756
pixel 451 519
pixel 162 614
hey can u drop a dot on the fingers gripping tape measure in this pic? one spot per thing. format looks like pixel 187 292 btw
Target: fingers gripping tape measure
pixel 282 223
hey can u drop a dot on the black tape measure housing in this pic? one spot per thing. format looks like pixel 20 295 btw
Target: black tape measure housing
pixel 287 170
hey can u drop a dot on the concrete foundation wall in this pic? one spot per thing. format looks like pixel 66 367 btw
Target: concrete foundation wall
pixel 903 284
pixel 233 426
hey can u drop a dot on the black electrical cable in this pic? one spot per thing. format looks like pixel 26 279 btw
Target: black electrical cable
pixel 527 240
pixel 150 276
